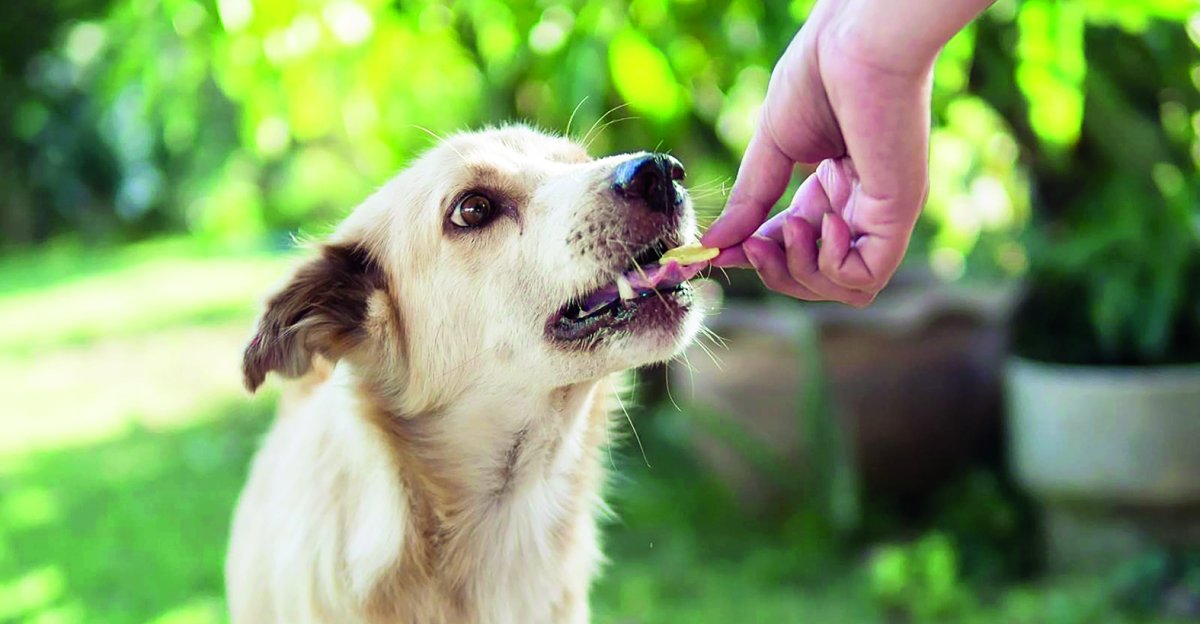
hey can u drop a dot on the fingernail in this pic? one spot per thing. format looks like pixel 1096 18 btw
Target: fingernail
pixel 825 225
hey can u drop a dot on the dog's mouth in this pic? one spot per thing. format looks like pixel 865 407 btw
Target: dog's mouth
pixel 647 294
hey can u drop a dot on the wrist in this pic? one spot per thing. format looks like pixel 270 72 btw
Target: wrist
pixel 899 36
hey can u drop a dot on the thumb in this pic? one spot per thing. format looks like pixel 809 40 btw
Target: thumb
pixel 762 178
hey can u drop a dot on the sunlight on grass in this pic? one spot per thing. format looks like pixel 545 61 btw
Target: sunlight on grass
pixel 200 611
pixel 139 526
pixel 126 433
pixel 28 506
pixel 30 591
pixel 70 613
pixel 141 344
pixel 150 380
pixel 153 294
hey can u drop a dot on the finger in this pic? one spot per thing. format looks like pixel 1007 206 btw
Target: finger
pixel 732 257
pixel 809 202
pixel 800 239
pixel 762 177
pixel 769 260
pixel 866 262
pixel 835 178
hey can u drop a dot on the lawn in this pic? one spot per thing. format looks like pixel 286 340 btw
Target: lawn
pixel 125 438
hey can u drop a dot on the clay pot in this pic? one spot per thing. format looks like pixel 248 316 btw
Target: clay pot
pixel 914 382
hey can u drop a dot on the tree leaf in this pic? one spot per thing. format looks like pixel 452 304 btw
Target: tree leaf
pixel 643 76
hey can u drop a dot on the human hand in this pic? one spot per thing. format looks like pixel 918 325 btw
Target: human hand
pixel 852 92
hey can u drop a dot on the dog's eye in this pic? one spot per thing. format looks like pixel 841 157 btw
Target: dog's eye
pixel 472 211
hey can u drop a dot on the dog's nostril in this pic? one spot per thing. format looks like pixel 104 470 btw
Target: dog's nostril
pixel 650 178
pixel 675 168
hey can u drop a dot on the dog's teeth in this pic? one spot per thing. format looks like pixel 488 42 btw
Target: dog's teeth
pixel 579 314
pixel 625 289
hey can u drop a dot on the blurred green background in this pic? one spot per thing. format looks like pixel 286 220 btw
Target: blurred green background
pixel 157 157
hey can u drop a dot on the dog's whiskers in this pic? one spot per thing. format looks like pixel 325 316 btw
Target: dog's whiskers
pixel 605 127
pixel 711 184
pixel 715 337
pixel 705 193
pixel 443 140
pixel 572 117
pixel 712 356
pixel 667 382
pixel 599 119
pixel 633 429
pixel 690 368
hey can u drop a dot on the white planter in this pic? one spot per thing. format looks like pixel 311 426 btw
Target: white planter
pixel 1113 454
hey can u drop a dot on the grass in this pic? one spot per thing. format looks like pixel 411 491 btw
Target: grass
pixel 126 530
pixel 75 297
pixel 126 438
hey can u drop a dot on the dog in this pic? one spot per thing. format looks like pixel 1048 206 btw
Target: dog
pixel 454 340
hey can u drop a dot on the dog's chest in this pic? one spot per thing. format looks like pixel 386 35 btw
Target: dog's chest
pixel 534 550
pixel 526 563
pixel 528 550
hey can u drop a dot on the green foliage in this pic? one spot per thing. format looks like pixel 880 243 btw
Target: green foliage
pixel 1051 68
pixel 235 118
pixel 643 76
pixel 1115 254
pixel 1161 581
pixel 232 119
pixel 990 523
pixel 921 583
pixel 920 580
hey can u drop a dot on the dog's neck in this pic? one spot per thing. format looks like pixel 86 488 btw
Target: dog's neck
pixel 502 490
pixel 493 449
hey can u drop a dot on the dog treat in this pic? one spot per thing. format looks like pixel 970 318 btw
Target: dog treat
pixel 694 253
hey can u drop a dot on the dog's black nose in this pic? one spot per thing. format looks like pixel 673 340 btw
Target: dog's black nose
pixel 650 178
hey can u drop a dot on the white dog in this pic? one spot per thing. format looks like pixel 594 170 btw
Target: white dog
pixel 445 468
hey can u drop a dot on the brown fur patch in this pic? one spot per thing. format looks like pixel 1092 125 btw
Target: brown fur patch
pixel 319 312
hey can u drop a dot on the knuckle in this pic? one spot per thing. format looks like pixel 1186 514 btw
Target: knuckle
pixel 798 271
pixel 855 278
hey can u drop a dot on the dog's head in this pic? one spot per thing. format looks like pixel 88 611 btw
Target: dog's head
pixel 498 256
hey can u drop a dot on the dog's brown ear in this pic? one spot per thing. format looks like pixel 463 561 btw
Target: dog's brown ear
pixel 320 311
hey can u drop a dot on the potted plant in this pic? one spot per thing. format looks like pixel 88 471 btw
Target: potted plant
pixel 1104 378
